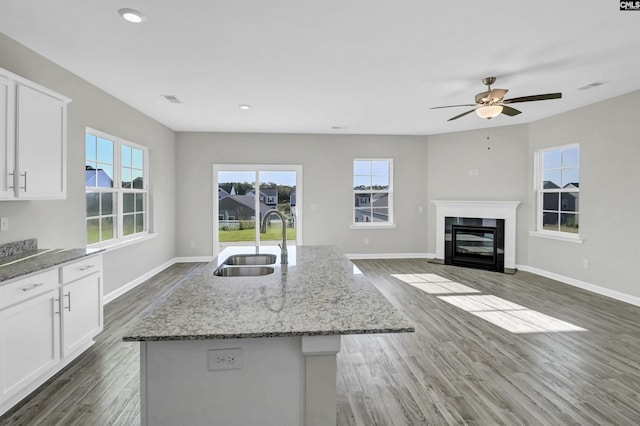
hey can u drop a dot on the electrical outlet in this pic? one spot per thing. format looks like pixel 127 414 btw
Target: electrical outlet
pixel 585 263
pixel 193 244
pixel 366 241
pixel 224 359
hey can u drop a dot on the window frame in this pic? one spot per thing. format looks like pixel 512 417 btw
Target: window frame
pixel 541 191
pixel 354 192
pixel 118 233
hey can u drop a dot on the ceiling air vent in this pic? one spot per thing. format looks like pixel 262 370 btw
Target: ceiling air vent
pixel 172 99
pixel 592 85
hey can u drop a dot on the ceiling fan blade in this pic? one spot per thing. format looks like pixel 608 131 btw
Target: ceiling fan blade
pixel 507 110
pixel 497 94
pixel 533 98
pixel 461 115
pixel 482 97
pixel 452 106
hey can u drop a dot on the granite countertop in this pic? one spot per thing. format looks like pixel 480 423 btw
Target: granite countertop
pixel 27 262
pixel 320 292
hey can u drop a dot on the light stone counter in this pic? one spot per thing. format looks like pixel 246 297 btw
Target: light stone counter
pixel 256 350
pixel 28 262
pixel 320 292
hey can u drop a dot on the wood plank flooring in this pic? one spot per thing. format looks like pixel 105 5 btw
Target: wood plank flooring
pixel 455 369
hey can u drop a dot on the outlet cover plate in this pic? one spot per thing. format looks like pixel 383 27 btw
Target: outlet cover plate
pixel 224 359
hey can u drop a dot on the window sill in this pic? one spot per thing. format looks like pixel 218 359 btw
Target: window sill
pixel 370 226
pixel 114 245
pixel 569 239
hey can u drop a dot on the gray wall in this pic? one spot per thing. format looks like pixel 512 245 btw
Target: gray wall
pixel 62 223
pixel 327 173
pixel 609 137
pixel 608 134
pixel 502 173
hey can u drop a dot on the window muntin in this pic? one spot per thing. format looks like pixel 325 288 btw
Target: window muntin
pixel 559 190
pixel 372 192
pixel 116 188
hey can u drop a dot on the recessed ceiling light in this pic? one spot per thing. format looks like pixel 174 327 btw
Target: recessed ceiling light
pixel 245 107
pixel 132 16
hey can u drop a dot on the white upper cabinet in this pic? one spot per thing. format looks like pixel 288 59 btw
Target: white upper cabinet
pixel 7 137
pixel 33 135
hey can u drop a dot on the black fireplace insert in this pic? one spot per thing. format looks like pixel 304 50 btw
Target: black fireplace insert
pixel 475 243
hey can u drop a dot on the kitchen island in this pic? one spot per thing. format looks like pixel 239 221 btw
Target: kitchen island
pixel 256 349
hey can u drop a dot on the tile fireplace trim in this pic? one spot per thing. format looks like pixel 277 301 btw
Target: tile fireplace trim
pixel 481 209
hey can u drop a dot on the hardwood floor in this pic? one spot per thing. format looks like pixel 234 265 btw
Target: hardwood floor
pixel 457 368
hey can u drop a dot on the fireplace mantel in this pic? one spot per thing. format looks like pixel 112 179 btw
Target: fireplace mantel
pixel 479 209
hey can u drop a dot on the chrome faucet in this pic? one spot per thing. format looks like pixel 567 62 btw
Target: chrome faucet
pixel 263 230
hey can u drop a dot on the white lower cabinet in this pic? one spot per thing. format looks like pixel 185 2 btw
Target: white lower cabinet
pixel 47 319
pixel 29 341
pixel 81 313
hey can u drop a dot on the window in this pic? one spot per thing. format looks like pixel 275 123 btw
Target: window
pixel 372 192
pixel 559 190
pixel 116 185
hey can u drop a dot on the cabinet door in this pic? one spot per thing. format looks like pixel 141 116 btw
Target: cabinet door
pixel 81 313
pixel 29 341
pixel 40 145
pixel 7 138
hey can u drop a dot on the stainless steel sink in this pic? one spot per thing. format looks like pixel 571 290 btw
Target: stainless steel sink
pixel 243 271
pixel 250 259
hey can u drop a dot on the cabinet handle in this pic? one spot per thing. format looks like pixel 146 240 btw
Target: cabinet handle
pixel 25 181
pixel 84 268
pixel 56 302
pixel 32 286
pixel 69 296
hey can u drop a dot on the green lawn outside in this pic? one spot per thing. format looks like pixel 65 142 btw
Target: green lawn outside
pixel 274 233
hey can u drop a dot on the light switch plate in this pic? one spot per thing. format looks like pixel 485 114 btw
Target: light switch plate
pixel 4 223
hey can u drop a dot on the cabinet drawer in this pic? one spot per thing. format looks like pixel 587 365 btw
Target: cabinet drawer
pixel 27 288
pixel 81 269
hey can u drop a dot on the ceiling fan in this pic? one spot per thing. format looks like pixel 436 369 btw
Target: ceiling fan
pixel 491 103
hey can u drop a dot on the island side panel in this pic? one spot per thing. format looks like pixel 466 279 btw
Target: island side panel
pixel 179 388
pixel 321 379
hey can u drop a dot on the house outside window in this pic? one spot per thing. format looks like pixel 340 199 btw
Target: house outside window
pixel 559 190
pixel 372 192
pixel 116 188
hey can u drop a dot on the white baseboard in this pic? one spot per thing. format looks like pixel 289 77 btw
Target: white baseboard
pixel 391 256
pixel 136 282
pixel 582 284
pixel 193 259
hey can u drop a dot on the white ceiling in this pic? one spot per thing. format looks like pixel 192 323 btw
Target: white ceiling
pixel 369 66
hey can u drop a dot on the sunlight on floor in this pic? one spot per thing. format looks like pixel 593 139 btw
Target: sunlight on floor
pixel 500 312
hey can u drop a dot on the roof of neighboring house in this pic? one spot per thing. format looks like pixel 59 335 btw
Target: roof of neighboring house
pixel 247 201
pixel 267 192
pixel 104 180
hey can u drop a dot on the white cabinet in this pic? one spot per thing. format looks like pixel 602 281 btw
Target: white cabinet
pixel 7 137
pixel 47 319
pixel 33 135
pixel 82 316
pixel 29 331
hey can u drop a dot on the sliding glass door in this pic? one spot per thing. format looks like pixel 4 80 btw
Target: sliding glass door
pixel 245 193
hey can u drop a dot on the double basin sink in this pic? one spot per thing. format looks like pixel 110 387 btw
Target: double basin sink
pixel 246 265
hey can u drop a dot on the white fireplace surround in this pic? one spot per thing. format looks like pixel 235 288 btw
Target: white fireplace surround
pixel 480 209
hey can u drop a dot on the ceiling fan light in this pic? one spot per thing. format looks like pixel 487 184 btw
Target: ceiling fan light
pixel 489 111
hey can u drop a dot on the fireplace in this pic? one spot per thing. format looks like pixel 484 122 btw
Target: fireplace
pixel 475 243
pixel 505 210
